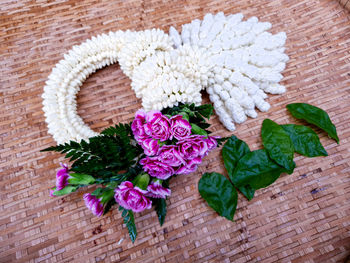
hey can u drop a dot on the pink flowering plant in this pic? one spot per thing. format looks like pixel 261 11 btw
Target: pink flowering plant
pixel 132 164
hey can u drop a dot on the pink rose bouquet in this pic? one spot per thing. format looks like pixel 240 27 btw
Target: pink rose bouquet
pixel 133 163
pixel 132 197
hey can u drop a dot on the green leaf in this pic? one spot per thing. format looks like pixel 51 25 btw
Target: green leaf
pixel 247 191
pixel 108 206
pixel 206 110
pixel 221 140
pixel 257 170
pixel 314 115
pixel 233 150
pixel 141 181
pixel 219 194
pixel 160 206
pixel 197 130
pixel 184 116
pixel 98 191
pixel 305 140
pixel 84 179
pixel 107 195
pixel 104 156
pixel 119 129
pixel 57 148
pixel 129 221
pixel 203 125
pixel 67 190
pixel 278 144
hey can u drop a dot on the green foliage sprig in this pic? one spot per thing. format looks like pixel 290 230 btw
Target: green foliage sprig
pixel 107 159
pixel 104 156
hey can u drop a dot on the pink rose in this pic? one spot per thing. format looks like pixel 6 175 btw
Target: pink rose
pixel 157 126
pixel 137 126
pixel 211 143
pixel 170 155
pixel 151 114
pixel 62 177
pixel 156 190
pixel 192 147
pixel 132 198
pixel 179 127
pixel 150 146
pixel 190 166
pixel 156 168
pixel 94 204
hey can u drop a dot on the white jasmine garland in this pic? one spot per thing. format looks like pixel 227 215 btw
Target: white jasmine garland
pixel 236 61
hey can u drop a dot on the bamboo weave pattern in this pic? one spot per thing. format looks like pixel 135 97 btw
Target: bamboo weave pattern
pixel 303 217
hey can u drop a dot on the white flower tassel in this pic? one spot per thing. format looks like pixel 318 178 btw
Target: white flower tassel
pixel 245 60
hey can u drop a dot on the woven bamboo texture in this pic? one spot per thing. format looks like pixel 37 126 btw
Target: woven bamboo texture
pixel 303 217
pixel 345 4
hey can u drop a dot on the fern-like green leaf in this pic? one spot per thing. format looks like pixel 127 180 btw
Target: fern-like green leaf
pixel 105 155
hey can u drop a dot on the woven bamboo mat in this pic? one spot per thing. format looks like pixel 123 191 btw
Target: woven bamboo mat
pixel 345 4
pixel 303 217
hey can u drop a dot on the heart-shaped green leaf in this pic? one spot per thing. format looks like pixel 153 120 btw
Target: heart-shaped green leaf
pixel 233 150
pixel 278 144
pixel 247 191
pixel 219 194
pixel 305 140
pixel 315 116
pixel 257 170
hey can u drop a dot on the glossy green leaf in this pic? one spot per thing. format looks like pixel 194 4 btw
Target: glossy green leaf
pixel 98 191
pixel 107 195
pixel 257 170
pixel 160 207
pixel 222 140
pixel 108 206
pixel 206 110
pixel 233 150
pixel 84 179
pixel 197 130
pixel 184 116
pixel 67 190
pixel 129 221
pixel 278 144
pixel 247 191
pixel 305 140
pixel 219 194
pixel 315 116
